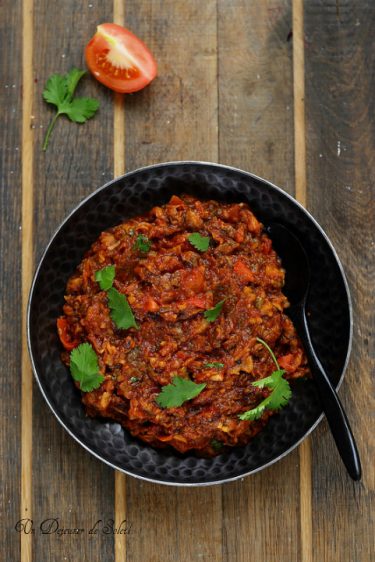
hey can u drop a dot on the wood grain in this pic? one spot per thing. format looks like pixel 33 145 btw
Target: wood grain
pixel 300 194
pixel 261 513
pixel 68 483
pixel 26 510
pixel 255 74
pixel 10 276
pixel 340 112
pixel 175 118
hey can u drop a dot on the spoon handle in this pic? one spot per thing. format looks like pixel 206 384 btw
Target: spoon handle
pixel 336 417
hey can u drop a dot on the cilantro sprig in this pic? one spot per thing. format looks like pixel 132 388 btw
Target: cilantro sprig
pixel 59 91
pixel 177 392
pixel 214 365
pixel 105 277
pixel 212 313
pixel 84 367
pixel 281 391
pixel 199 242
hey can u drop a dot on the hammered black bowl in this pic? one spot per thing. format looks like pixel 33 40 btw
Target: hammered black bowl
pixel 329 312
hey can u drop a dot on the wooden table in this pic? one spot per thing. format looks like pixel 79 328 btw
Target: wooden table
pixel 276 87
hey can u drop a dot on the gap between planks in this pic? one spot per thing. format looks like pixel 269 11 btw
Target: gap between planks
pixel 27 272
pixel 301 196
pixel 118 169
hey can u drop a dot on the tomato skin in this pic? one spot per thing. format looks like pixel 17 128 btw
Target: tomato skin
pixel 63 331
pixel 119 59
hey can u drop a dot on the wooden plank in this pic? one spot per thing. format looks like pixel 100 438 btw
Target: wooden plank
pixel 69 484
pixel 340 113
pixel 261 513
pixel 256 88
pixel 10 280
pixel 174 118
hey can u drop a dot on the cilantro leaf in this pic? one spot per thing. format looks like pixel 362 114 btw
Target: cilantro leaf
pixel 55 90
pixel 142 244
pixel 280 395
pixel 214 365
pixel 59 91
pixel 121 313
pixel 179 391
pixel 278 398
pixel 212 313
pixel 254 414
pixel 271 381
pixel 105 277
pixel 199 242
pixel 80 109
pixel 84 367
pixel 72 79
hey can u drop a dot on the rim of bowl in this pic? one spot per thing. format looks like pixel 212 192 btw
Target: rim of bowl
pixel 102 188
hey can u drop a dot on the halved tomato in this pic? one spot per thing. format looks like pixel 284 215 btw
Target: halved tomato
pixel 119 60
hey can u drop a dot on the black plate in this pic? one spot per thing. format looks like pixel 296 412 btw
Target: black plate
pixel 134 193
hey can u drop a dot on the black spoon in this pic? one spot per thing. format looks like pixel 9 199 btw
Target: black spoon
pixel 296 288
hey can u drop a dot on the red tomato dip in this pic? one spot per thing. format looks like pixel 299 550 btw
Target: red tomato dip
pixel 169 287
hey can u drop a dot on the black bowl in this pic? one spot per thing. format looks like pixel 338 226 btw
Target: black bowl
pixel 329 311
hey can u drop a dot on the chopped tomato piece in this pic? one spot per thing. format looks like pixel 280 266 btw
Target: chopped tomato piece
pixel 150 304
pixel 266 245
pixel 243 271
pixel 193 281
pixel 64 334
pixel 175 200
pixel 290 362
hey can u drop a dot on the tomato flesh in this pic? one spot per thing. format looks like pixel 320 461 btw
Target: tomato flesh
pixel 64 334
pixel 119 59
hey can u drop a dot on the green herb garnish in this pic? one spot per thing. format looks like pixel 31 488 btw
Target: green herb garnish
pixel 179 391
pixel 59 90
pixel 216 445
pixel 281 391
pixel 199 242
pixel 212 313
pixel 134 379
pixel 105 277
pixel 84 367
pixel 214 365
pixel 121 313
pixel 142 244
